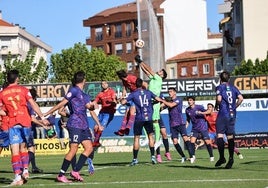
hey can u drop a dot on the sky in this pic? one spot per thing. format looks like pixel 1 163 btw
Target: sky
pixel 59 23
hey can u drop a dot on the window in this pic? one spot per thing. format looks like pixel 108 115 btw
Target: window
pixel 129 47
pixel 118 49
pixel 128 29
pixel 183 71
pixel 108 30
pixel 206 69
pixel 129 66
pixel 98 34
pixel 194 70
pixel 172 73
pixel 118 31
pixel 219 66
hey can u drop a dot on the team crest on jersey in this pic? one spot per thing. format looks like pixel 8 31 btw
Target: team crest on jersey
pixel 69 94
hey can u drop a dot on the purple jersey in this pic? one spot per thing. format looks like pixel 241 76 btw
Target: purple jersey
pixel 198 120
pixel 175 113
pixel 142 99
pixel 229 95
pixel 77 105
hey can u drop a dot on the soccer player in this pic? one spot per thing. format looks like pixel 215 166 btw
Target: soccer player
pixel 211 120
pixel 199 126
pixel 30 144
pixel 228 98
pixel 63 133
pixel 129 83
pixel 50 130
pixel 107 99
pixel 15 97
pixel 4 139
pixel 144 109
pixel 176 122
pixel 163 132
pixel 155 86
pixel 77 125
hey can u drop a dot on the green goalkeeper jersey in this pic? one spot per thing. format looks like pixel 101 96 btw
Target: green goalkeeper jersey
pixel 155 84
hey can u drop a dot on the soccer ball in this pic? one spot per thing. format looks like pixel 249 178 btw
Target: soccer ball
pixel 139 43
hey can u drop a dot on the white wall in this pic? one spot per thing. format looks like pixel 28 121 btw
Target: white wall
pixel 185 26
pixel 255 29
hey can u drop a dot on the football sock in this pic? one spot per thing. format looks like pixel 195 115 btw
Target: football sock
pixel 135 153
pixel 73 162
pixel 209 148
pixel 166 145
pixel 124 122
pixel 64 167
pixel 179 150
pixel 16 164
pixel 131 121
pixel 32 159
pixel 24 157
pixel 97 136
pixel 190 149
pixel 220 144
pixel 231 148
pixel 81 161
pixel 158 151
pixel 152 150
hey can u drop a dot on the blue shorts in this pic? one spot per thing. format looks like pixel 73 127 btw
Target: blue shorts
pixel 147 125
pixel 4 139
pixel 197 134
pixel 78 135
pixel 212 136
pixel 105 119
pixel 225 125
pixel 179 129
pixel 19 134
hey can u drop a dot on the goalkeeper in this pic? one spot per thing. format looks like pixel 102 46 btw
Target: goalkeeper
pixel 155 86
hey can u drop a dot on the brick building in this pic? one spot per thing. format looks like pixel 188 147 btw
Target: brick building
pixel 195 64
pixel 115 30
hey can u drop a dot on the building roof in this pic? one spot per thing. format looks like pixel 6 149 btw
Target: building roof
pixel 4 23
pixel 215 36
pixel 187 55
pixel 130 8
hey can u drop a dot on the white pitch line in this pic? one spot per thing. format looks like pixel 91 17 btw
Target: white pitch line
pixel 133 182
pixel 144 182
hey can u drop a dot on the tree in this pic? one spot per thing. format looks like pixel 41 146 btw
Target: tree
pixel 95 63
pixel 250 68
pixel 29 72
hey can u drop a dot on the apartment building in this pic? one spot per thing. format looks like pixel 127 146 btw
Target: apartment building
pixel 245 29
pixel 17 41
pixel 115 30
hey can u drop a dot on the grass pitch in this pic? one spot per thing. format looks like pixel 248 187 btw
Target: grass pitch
pixel 112 170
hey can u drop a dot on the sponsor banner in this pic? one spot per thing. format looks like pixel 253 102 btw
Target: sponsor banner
pixel 185 87
pixel 251 140
pixel 258 104
pixel 108 145
pixel 47 147
pixel 125 144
